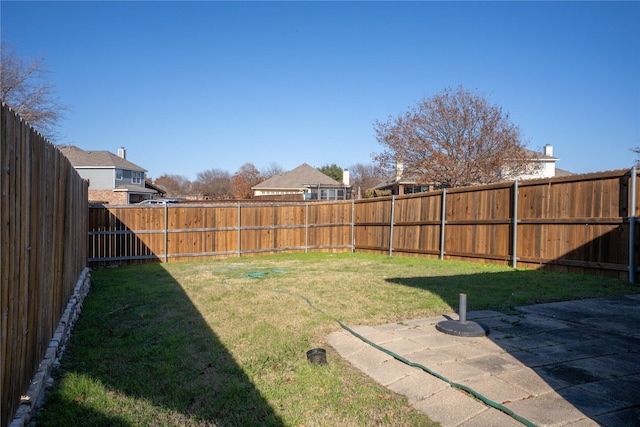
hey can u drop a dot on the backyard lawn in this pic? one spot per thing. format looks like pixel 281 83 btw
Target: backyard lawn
pixel 223 342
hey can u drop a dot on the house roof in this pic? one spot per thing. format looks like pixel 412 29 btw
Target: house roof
pixel 81 159
pixel 156 188
pixel 300 177
pixel 535 155
pixel 132 188
pixel 562 172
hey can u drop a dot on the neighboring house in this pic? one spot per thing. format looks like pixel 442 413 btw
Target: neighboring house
pixel 403 184
pixel 303 183
pixel 543 165
pixel 562 172
pixel 112 178
pixel 160 192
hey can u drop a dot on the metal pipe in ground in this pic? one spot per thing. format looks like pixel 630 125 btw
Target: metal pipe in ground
pixel 463 308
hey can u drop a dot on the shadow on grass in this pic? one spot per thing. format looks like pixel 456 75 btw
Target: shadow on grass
pixel 503 291
pixel 586 349
pixel 140 343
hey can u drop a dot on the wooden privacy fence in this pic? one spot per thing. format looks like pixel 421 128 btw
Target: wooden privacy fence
pixel 582 224
pixel 44 250
pixel 174 232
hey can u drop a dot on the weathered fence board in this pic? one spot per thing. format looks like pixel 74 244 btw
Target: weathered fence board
pixel 577 224
pixel 43 252
pixel 372 224
pixel 417 225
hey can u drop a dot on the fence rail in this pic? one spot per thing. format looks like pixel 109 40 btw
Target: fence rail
pixel 576 224
pixel 43 252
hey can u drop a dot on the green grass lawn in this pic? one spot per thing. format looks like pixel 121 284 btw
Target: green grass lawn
pixel 224 342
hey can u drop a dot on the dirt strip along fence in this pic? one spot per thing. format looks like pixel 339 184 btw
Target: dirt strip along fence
pixel 43 252
pixel 579 224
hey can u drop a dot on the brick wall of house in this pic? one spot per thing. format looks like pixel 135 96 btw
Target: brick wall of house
pixel 108 196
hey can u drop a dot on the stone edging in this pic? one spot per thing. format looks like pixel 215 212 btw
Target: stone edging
pixel 34 397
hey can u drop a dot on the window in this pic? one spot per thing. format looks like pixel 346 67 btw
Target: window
pixel 119 174
pixel 327 194
pixel 136 177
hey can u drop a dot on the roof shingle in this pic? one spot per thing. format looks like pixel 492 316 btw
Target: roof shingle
pixel 80 158
pixel 300 177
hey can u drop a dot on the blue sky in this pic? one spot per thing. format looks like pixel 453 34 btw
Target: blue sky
pixel 191 86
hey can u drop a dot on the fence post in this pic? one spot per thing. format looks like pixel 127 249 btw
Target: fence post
pixel 166 232
pixel 306 228
pixel 443 221
pixel 632 228
pixel 514 259
pixel 239 233
pixel 393 208
pixel 353 223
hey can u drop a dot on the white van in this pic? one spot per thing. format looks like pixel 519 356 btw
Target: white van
pixel 158 202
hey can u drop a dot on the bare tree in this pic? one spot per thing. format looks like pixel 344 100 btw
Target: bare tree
pixel 26 88
pixel 453 139
pixel 366 176
pixel 242 181
pixel 177 186
pixel 273 170
pixel 213 184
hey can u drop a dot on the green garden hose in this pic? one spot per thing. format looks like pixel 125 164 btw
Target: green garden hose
pixel 419 366
pixel 261 274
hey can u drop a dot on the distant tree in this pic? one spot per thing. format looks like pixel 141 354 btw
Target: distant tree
pixel 176 186
pixel 214 183
pixel 26 88
pixel 242 181
pixel 455 138
pixel 370 193
pixel 273 170
pixel 332 171
pixel 366 176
